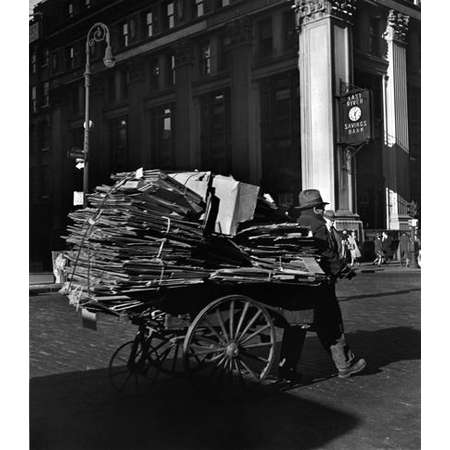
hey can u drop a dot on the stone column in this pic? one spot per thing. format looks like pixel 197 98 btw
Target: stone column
pixel 325 63
pixel 184 110
pixel 136 89
pixel 240 36
pixel 396 141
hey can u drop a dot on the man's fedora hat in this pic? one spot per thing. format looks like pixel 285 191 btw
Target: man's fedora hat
pixel 310 198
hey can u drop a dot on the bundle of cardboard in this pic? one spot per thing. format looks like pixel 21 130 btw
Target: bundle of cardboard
pixel 152 230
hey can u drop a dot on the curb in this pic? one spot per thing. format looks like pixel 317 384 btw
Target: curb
pixel 36 289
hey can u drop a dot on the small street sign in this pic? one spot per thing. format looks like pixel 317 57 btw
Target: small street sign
pixel 77 198
pixel 75 153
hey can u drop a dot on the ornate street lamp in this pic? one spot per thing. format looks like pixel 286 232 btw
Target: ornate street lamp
pixel 97 33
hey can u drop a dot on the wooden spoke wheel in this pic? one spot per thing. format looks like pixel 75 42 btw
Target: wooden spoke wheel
pixel 232 340
pixel 129 368
pixel 165 352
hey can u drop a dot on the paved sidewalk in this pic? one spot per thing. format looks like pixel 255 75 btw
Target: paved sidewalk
pixel 41 278
pixel 42 283
pixel 72 405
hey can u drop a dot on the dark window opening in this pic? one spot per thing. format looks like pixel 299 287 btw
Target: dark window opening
pixel 149 24
pixel 199 8
pixel 289 32
pixel 119 144
pixel 265 37
pixel 71 58
pixel 55 62
pixel 215 132
pixel 34 99
pixel 46 94
pixel 205 59
pixel 45 57
pixel 171 75
pixel 169 15
pixel 154 74
pixel 33 62
pixel 375 39
pixel 124 35
pixel 163 142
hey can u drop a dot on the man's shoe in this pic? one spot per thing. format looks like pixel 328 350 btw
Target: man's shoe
pixel 356 367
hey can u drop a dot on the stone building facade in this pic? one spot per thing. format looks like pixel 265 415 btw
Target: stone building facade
pixel 248 88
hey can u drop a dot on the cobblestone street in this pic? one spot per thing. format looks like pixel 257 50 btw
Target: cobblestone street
pixel 72 405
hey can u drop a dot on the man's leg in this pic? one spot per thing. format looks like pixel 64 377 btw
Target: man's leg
pixel 291 350
pixel 330 330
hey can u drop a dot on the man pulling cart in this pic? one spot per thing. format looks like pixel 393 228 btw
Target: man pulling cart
pixel 204 304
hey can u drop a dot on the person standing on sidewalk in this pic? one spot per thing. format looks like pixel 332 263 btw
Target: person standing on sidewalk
pixel 386 245
pixel 330 216
pixel 352 243
pixel 406 246
pixel 327 313
pixel 378 248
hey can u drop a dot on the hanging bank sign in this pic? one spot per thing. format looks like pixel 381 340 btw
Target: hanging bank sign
pixel 355 117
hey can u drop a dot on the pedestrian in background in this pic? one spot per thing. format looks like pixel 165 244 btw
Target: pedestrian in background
pixel 406 246
pixel 386 245
pixel 330 222
pixel 355 253
pixel 378 248
pixel 344 246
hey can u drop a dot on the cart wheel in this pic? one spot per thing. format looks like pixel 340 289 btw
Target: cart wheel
pixel 165 352
pixel 232 340
pixel 129 370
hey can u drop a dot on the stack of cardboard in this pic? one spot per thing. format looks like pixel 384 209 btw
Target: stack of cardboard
pixel 149 231
pixel 138 235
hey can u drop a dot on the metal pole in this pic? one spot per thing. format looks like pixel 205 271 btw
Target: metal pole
pixel 97 33
pixel 87 81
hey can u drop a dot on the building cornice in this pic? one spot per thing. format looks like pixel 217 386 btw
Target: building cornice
pixel 397 27
pixel 403 7
pixel 307 11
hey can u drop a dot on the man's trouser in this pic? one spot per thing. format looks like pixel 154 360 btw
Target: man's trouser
pixel 330 330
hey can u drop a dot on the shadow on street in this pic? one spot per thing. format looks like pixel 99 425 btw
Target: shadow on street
pixel 376 295
pixel 79 410
pixel 379 347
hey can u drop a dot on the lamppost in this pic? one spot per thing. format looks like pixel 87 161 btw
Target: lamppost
pixel 97 33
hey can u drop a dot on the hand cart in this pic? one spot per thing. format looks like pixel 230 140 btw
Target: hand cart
pixel 216 331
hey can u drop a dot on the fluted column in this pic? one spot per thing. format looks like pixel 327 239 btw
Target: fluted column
pixel 325 63
pixel 396 148
pixel 240 34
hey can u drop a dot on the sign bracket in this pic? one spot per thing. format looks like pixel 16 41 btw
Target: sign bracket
pixel 352 150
